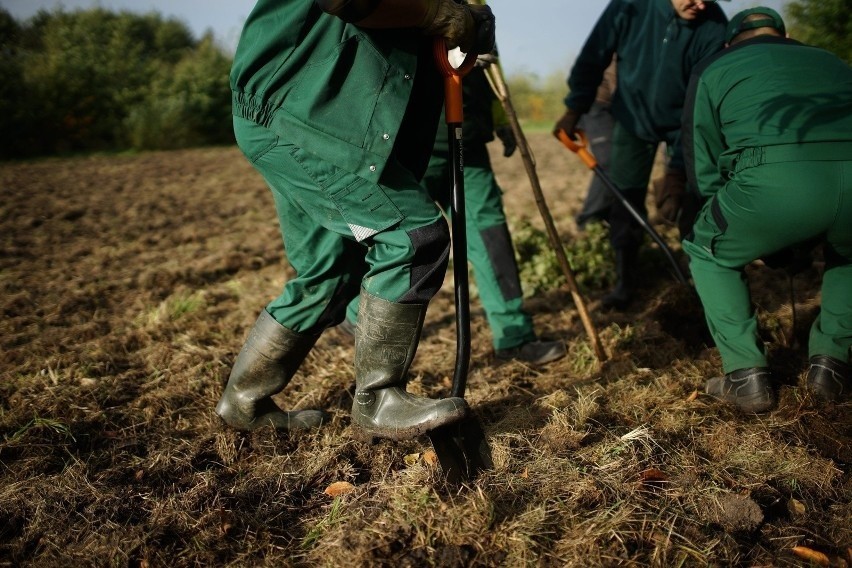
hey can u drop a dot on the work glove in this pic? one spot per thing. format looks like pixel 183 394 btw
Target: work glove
pixel 568 123
pixel 485 60
pixel 507 137
pixel 468 27
pixel 668 195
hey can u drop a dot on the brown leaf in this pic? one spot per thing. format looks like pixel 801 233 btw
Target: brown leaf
pixel 811 555
pixel 339 488
pixel 430 457
pixel 796 508
pixel 692 396
pixel 653 475
pixel 526 473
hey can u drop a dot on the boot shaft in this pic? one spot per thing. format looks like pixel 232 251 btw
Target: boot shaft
pixel 386 341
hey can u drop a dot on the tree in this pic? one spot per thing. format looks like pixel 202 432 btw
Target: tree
pixel 98 80
pixel 822 23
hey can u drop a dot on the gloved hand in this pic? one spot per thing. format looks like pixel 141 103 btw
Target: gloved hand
pixel 485 60
pixel 568 123
pixel 668 195
pixel 507 137
pixel 469 27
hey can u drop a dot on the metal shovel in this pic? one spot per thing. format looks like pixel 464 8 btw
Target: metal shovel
pixel 461 447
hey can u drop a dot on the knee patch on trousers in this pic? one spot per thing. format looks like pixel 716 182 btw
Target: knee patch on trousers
pixel 431 256
pixel 501 254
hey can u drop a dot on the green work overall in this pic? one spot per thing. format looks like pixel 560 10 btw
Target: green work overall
pixel 489 243
pixel 344 174
pixel 768 141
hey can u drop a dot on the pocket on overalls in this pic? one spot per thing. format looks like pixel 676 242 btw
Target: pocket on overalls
pixel 364 206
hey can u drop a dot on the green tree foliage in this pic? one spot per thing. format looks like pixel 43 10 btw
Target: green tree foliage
pixel 185 106
pixel 88 73
pixel 822 23
pixel 12 96
pixel 538 101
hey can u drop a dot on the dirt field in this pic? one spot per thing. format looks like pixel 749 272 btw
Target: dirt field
pixel 128 284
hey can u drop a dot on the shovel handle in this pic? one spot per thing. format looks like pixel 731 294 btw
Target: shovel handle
pixel 580 146
pixel 452 79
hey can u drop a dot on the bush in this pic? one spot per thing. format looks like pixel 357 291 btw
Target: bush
pixel 589 255
pixel 98 80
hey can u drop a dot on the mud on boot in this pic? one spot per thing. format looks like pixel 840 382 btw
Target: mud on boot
pixel 268 360
pixel 385 345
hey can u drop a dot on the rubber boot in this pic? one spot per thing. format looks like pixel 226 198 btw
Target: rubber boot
pixel 750 389
pixel 268 360
pixel 385 343
pixel 829 378
pixel 626 264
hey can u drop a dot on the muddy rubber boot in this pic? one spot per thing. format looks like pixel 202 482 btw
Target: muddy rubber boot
pixel 385 344
pixel 626 264
pixel 268 360
pixel 750 389
pixel 829 378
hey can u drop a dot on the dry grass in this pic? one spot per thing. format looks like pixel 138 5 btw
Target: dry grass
pixel 129 283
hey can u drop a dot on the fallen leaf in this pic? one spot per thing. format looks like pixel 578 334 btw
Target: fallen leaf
pixel 811 555
pixel 692 396
pixel 526 473
pixel 796 508
pixel 411 459
pixel 653 475
pixel 446 381
pixel 139 475
pixel 339 488
pixel 430 457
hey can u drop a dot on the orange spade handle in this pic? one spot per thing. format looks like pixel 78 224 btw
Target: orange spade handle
pixel 452 79
pixel 579 146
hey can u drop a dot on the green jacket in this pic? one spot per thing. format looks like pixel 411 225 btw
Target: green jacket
pixel 656 52
pixel 766 92
pixel 336 90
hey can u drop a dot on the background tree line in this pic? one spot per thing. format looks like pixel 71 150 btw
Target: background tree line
pixel 96 80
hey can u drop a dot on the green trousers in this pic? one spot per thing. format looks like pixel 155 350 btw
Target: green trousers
pixel 772 202
pixel 630 165
pixel 489 244
pixel 342 233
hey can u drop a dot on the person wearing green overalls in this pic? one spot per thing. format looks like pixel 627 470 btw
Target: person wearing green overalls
pixel 336 104
pixel 656 44
pixel 768 141
pixel 489 243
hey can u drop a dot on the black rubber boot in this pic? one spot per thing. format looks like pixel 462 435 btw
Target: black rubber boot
pixel 829 378
pixel 385 344
pixel 626 265
pixel 268 360
pixel 535 352
pixel 750 389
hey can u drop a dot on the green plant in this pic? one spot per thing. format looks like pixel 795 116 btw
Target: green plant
pixel 589 256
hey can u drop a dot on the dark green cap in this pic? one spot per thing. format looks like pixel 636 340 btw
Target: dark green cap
pixel 771 19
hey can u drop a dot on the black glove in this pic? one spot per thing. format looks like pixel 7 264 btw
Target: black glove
pixel 668 195
pixel 468 27
pixel 507 137
pixel 484 21
pixel 568 123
